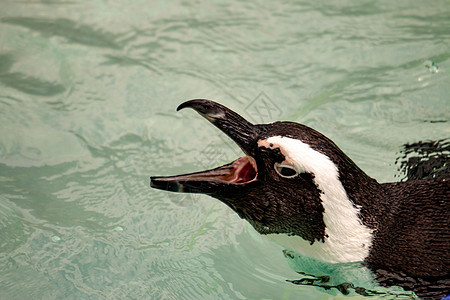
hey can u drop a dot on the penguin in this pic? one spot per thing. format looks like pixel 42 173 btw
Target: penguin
pixel 298 188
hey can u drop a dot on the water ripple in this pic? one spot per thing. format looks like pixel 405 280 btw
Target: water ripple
pixel 72 31
pixel 87 99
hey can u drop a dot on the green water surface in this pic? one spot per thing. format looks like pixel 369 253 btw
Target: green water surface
pixel 88 91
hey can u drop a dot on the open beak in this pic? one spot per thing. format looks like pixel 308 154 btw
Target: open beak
pixel 239 172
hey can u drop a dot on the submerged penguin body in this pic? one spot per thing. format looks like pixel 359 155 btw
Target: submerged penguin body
pixel 298 188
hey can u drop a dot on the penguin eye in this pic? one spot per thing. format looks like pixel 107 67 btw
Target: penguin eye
pixel 286 171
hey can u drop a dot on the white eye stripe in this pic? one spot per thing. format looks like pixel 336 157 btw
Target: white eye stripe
pixel 285 170
pixel 348 238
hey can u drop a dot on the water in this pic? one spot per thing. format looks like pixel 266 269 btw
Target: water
pixel 88 92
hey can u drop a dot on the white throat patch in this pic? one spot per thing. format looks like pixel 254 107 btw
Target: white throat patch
pixel 346 238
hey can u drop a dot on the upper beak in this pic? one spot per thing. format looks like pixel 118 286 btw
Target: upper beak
pixel 218 180
pixel 236 127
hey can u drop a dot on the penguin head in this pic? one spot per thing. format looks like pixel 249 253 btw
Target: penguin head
pixel 289 176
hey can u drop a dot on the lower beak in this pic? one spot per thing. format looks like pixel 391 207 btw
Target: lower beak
pixel 240 172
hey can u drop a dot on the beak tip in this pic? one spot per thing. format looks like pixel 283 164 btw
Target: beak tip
pixel 181 106
pixel 197 104
pixel 161 184
pixel 152 182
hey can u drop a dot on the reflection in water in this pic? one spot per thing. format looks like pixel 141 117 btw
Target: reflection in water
pixel 425 160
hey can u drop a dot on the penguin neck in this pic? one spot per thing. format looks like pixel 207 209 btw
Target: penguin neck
pixel 364 192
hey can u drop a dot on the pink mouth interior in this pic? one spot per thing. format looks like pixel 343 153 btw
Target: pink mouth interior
pixel 244 170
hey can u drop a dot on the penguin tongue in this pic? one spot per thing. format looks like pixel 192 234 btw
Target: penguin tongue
pixel 241 171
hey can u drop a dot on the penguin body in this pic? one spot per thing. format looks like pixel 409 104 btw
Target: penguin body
pixel 295 186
